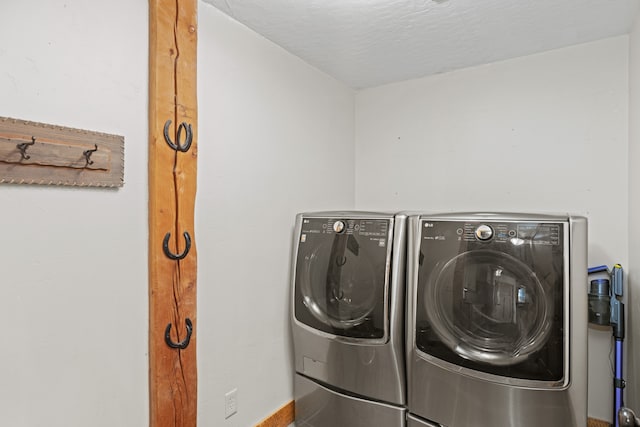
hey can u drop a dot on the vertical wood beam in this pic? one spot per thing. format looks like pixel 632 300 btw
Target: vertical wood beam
pixel 172 189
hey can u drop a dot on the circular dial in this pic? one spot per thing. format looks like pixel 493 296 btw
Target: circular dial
pixel 338 226
pixel 484 232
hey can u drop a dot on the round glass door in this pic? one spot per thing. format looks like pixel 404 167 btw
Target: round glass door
pixel 339 283
pixel 488 306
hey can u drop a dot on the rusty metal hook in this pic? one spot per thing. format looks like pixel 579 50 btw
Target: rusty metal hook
pixel 171 255
pixel 177 146
pixel 23 148
pixel 87 155
pixel 184 343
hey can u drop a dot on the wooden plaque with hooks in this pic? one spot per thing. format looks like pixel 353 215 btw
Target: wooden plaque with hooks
pixel 39 153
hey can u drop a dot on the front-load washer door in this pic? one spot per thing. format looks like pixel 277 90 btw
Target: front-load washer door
pixel 341 276
pixel 490 298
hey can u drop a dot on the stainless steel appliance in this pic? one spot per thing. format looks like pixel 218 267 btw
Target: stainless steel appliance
pixel 347 319
pixel 497 320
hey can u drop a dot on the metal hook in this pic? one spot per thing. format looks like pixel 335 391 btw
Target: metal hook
pixel 23 148
pixel 171 255
pixel 87 155
pixel 188 137
pixel 184 343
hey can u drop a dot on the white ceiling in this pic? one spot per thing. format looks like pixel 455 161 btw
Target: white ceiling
pixel 367 43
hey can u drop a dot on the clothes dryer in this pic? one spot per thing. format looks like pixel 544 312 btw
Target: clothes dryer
pixel 497 324
pixel 347 319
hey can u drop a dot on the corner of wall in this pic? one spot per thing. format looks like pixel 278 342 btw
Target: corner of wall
pixel 633 278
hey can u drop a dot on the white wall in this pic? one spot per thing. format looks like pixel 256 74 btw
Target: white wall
pixel 546 132
pixel 275 138
pixel 73 305
pixel 633 296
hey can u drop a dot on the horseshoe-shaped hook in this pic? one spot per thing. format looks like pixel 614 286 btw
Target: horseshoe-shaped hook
pixel 23 148
pixel 171 255
pixel 177 146
pixel 87 155
pixel 184 343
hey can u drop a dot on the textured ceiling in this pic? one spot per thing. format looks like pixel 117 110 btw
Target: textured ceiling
pixel 367 43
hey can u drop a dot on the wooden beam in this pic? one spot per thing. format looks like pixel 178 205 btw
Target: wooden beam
pixel 283 417
pixel 593 422
pixel 172 190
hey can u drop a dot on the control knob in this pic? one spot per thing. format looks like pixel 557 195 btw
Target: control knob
pixel 484 232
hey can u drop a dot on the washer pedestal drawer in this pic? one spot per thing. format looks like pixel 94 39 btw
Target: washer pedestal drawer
pixel 318 406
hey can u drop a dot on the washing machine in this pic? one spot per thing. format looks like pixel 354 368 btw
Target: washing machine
pixel 497 320
pixel 348 295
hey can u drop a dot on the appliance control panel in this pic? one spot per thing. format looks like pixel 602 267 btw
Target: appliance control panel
pixel 517 233
pixel 369 228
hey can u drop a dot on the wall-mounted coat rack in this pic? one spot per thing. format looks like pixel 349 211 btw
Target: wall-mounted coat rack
pixel 39 153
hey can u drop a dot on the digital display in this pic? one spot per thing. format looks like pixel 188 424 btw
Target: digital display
pixel 539 234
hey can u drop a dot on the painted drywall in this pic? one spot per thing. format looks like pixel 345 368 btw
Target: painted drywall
pixel 546 132
pixel 633 283
pixel 275 138
pixel 74 260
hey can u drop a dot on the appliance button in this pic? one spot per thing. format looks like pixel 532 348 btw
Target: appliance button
pixel 338 226
pixel 484 232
